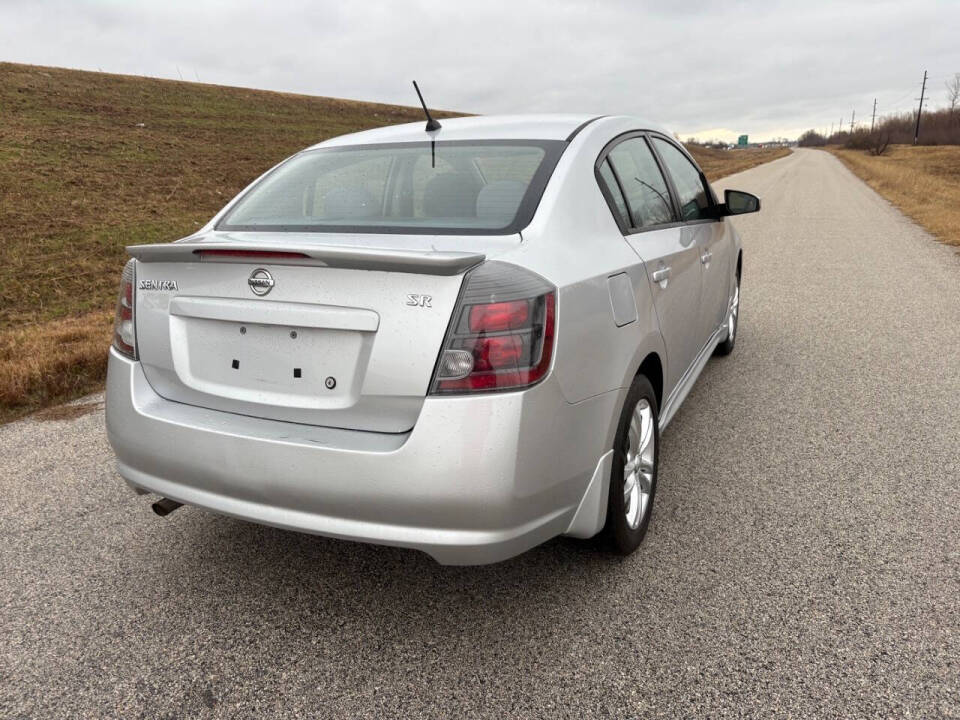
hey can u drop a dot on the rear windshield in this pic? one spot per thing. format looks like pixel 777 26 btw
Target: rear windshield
pixel 455 187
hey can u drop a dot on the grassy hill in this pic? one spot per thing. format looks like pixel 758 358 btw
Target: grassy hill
pixel 92 162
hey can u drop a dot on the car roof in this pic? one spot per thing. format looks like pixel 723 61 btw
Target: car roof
pixel 484 127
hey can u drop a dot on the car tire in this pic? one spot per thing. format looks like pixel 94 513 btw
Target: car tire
pixel 633 477
pixel 733 321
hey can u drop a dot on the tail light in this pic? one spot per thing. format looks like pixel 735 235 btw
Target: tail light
pixel 501 333
pixel 124 328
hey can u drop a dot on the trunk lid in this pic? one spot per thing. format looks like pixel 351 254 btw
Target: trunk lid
pixel 330 332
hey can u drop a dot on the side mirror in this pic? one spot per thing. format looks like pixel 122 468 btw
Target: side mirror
pixel 737 202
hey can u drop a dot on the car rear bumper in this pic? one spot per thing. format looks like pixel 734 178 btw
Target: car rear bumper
pixel 479 479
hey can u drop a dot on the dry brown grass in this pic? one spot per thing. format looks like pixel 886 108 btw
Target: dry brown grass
pixel 53 361
pixel 91 162
pixel 924 182
pixel 720 163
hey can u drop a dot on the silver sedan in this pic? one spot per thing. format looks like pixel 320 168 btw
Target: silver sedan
pixel 465 339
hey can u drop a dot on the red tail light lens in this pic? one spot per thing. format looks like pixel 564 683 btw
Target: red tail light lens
pixel 502 332
pixel 124 327
pixel 499 316
pixel 501 352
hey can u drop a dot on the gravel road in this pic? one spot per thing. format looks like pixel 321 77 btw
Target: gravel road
pixel 803 560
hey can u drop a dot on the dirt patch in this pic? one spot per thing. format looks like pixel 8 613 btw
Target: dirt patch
pixel 68 412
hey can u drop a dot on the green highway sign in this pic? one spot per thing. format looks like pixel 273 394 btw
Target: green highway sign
pixel 742 140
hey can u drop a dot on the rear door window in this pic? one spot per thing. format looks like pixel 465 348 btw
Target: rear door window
pixel 643 184
pixel 613 191
pixel 687 179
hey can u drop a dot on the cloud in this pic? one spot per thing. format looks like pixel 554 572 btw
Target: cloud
pixel 755 67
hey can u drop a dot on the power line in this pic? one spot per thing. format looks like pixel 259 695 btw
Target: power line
pixel 891 109
pixel 902 97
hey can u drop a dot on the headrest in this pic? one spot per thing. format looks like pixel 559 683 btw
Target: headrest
pixel 452 194
pixel 500 199
pixel 349 202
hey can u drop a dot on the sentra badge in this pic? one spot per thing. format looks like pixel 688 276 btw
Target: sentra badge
pixel 165 285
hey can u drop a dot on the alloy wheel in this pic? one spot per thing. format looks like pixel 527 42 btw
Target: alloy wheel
pixel 734 311
pixel 638 470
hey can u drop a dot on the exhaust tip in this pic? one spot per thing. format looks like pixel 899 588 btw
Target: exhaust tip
pixel 165 506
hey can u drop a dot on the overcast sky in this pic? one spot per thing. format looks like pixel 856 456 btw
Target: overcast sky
pixel 714 69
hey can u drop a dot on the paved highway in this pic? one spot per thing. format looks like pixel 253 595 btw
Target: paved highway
pixel 804 556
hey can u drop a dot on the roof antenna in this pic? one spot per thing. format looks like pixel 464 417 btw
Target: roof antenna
pixel 431 123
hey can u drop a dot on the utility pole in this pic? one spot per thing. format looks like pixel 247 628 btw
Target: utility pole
pixel 916 133
pixel 873 118
pixel 853 117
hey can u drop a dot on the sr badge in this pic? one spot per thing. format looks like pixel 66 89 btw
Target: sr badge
pixel 419 300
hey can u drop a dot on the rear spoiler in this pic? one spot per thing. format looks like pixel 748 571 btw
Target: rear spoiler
pixel 430 262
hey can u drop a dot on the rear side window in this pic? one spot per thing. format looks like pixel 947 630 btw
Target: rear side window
pixel 454 187
pixel 613 189
pixel 647 195
pixel 691 191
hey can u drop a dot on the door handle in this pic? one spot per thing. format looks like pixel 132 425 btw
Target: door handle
pixel 706 257
pixel 660 275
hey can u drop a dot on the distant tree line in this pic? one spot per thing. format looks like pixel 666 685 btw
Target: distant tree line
pixel 937 127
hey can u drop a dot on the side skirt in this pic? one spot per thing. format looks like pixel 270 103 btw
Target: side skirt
pixel 592 511
pixel 683 387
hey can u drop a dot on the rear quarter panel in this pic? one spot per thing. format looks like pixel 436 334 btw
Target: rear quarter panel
pixel 574 242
